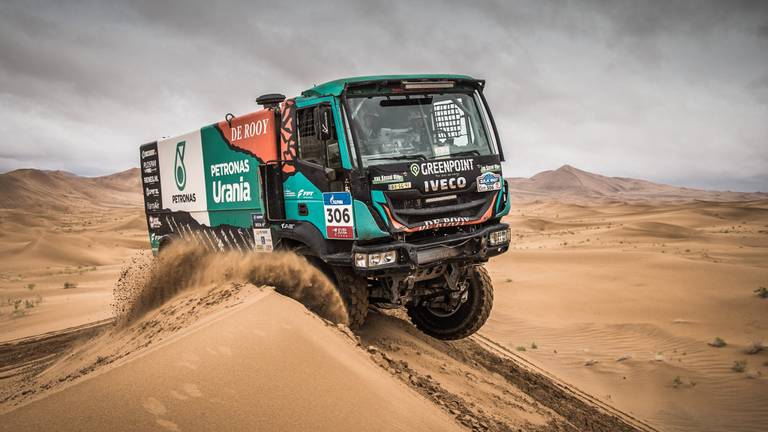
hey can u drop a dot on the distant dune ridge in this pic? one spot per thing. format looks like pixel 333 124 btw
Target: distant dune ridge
pixel 571 183
pixel 31 189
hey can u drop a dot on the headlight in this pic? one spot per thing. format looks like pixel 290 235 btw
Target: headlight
pixel 361 260
pixel 499 237
pixel 375 259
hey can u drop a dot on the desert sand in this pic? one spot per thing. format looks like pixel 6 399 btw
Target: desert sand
pixel 603 312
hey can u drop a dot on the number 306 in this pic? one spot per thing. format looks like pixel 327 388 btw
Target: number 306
pixel 337 215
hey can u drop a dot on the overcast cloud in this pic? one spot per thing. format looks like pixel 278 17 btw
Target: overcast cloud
pixel 669 91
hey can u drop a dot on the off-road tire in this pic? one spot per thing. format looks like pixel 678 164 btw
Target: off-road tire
pixel 352 288
pixel 468 319
pixel 354 292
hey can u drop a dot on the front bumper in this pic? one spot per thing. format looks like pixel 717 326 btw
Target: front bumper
pixel 470 247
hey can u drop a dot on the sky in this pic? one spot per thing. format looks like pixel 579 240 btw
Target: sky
pixel 668 91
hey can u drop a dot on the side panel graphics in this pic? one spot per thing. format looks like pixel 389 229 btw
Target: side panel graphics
pixel 254 133
pixel 288 136
pixel 210 184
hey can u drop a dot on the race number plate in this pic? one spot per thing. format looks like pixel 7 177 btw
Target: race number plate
pixel 262 234
pixel 337 208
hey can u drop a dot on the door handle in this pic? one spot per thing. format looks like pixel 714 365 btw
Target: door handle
pixel 303 210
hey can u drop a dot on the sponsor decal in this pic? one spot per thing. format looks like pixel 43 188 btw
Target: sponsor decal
pixel 253 133
pixel 232 167
pixel 249 129
pixel 441 151
pixel 262 240
pixel 492 167
pixel 388 178
pixel 231 177
pixel 399 186
pixel 180 170
pixel 257 219
pixel 445 222
pixel 151 178
pixel 262 234
pixel 339 223
pixel 154 222
pixel 287 226
pixel 231 192
pixel 442 167
pixel 184 198
pixel 149 166
pixel 308 194
pixel 488 182
pixel 444 184
pixel 289 193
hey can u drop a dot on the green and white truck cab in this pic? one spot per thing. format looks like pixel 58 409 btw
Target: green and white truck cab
pixel 392 185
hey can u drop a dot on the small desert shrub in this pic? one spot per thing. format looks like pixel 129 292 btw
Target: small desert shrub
pixel 677 382
pixel 69 285
pixel 755 347
pixel 534 346
pixel 520 348
pixel 718 342
pixel 762 292
pixel 31 286
pixel 739 366
pixel 29 304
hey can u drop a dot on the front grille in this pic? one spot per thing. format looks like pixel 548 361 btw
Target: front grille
pixel 409 208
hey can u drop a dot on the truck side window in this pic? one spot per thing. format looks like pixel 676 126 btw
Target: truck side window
pixel 311 149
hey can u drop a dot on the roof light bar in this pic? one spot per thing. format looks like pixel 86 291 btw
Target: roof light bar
pixel 421 85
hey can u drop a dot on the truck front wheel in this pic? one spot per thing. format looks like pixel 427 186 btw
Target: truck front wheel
pixel 354 291
pixel 465 319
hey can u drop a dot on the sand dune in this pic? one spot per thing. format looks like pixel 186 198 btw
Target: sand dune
pixel 622 299
pixel 203 350
pixel 572 184
pixel 619 285
pixel 266 364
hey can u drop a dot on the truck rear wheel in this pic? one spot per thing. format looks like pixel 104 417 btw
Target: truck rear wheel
pixel 354 292
pixel 465 319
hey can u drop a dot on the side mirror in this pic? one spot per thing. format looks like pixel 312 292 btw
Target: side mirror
pixel 324 123
pixel 330 174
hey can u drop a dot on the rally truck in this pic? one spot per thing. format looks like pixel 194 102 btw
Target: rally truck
pixel 391 185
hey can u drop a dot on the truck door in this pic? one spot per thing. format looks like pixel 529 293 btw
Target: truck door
pixel 318 171
pixel 319 158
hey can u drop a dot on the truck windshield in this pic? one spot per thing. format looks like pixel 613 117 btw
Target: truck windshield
pixel 418 126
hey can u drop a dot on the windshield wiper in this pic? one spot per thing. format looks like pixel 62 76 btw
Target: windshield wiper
pixel 400 157
pixel 466 153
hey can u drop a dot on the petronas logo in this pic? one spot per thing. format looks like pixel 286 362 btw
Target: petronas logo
pixel 415 169
pixel 179 169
